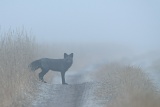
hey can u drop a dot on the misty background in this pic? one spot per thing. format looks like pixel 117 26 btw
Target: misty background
pixel 94 29
pixel 115 42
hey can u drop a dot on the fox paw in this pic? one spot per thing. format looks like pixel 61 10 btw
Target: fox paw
pixel 43 81
pixel 65 84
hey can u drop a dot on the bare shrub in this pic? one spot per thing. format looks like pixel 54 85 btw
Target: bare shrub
pixel 17 50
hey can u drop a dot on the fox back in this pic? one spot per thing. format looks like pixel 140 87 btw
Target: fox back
pixel 60 65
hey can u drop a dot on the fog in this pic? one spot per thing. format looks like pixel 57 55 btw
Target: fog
pixel 110 27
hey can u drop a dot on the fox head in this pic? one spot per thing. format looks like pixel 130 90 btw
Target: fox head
pixel 68 58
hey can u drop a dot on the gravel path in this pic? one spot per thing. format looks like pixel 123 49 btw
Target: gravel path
pixel 78 93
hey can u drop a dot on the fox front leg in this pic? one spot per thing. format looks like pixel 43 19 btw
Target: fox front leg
pixel 63 78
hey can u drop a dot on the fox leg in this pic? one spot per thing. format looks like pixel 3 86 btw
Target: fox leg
pixel 41 75
pixel 63 78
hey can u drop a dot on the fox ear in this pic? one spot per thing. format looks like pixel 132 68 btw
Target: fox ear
pixel 65 55
pixel 71 54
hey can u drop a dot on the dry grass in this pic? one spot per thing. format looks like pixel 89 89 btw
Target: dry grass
pixel 132 86
pixel 17 50
pixel 136 98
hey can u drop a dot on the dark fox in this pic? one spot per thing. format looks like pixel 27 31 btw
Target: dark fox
pixel 46 64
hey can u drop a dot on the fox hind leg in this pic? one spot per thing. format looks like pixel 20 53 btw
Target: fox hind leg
pixel 41 75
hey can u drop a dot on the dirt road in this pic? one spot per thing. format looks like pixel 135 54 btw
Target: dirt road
pixel 82 91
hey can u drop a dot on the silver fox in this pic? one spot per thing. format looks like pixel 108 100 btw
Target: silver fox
pixel 46 64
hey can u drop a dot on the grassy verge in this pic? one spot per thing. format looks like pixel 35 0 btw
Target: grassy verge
pixel 132 86
pixel 17 84
pixel 136 98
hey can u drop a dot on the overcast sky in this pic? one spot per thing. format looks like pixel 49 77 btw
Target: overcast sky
pixel 129 22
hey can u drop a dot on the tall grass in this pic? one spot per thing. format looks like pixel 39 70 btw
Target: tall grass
pixel 17 84
pixel 132 86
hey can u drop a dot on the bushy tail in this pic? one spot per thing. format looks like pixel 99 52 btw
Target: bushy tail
pixel 35 65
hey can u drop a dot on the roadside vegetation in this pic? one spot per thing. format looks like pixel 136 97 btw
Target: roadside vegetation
pixel 17 84
pixel 132 86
